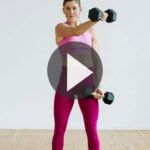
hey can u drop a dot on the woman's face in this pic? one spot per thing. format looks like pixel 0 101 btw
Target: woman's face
pixel 72 11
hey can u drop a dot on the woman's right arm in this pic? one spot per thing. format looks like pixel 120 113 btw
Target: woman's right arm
pixel 64 30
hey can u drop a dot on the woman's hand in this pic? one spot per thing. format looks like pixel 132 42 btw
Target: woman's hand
pixel 104 16
pixel 98 94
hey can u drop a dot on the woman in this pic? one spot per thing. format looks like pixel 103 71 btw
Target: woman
pixel 73 30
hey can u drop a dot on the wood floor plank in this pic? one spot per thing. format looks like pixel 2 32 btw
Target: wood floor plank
pixel 74 139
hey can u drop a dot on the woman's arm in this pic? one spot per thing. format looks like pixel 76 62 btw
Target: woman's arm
pixel 94 40
pixel 95 46
pixel 64 30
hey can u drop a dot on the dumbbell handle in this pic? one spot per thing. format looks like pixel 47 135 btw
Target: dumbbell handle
pixel 94 93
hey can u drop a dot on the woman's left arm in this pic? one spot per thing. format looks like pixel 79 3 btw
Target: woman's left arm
pixel 95 46
pixel 94 39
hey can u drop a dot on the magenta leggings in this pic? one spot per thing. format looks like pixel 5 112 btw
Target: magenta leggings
pixel 62 109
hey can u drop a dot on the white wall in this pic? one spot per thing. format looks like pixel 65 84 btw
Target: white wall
pixel 27 41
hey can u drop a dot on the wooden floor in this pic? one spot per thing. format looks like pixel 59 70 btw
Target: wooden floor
pixel 74 140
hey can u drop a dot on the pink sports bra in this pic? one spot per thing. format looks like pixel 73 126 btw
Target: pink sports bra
pixel 84 38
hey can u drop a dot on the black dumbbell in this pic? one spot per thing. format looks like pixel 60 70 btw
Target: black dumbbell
pixel 108 97
pixel 95 14
pixel 112 15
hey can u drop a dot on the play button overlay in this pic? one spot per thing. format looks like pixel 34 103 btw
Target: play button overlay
pixel 72 67
pixel 75 67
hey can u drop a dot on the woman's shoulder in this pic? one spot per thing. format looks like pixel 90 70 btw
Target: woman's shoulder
pixel 61 24
pixel 57 28
pixel 60 27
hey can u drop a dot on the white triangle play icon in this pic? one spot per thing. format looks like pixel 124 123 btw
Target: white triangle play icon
pixel 76 72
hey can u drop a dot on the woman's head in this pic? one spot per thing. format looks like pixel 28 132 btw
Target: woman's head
pixel 72 10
